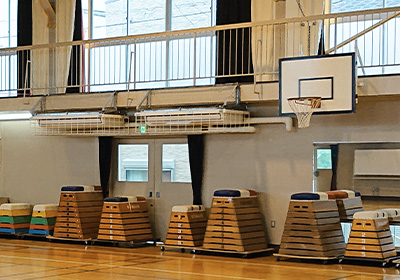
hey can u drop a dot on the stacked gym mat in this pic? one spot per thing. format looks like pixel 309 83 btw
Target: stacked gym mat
pixel 43 219
pixel 187 226
pixel 79 212
pixel 370 236
pixel 235 222
pixel 312 227
pixel 15 217
pixel 348 202
pixel 125 219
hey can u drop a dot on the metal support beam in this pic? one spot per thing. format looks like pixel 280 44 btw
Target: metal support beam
pixel 49 10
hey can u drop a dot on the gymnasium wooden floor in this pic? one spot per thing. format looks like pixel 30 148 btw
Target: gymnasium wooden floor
pixel 25 259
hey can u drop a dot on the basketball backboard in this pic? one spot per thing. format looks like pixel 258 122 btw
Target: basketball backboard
pixel 333 78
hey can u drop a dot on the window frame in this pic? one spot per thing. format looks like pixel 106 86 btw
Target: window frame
pixel 316 158
pixel 168 59
pixel 136 164
pixel 8 38
pixel 168 16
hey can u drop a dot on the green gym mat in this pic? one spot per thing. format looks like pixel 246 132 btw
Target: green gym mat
pixel 43 221
pixel 15 220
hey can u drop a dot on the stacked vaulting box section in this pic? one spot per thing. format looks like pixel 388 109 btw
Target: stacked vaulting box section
pixel 79 212
pixel 348 202
pixel 392 214
pixel 125 219
pixel 15 217
pixel 187 226
pixel 235 222
pixel 370 236
pixel 312 227
pixel 43 219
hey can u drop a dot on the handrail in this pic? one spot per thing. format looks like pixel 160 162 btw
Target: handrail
pixel 195 57
pixel 204 29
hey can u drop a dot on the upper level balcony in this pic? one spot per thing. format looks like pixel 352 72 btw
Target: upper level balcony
pixel 246 52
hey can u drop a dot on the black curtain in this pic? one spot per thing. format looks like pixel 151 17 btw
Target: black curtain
pixel 75 73
pixel 321 45
pixel 196 159
pixel 234 49
pixel 105 151
pixel 24 38
pixel 334 160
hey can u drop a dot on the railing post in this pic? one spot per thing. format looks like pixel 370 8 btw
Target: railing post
pixel 26 76
pixel 167 49
pixel 134 64
pixel 89 67
pixel 335 41
pixel 357 51
pixel 194 59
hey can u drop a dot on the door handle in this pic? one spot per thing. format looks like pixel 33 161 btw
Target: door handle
pixel 158 195
pixel 150 194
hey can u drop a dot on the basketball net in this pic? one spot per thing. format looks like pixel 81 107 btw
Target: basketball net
pixel 304 107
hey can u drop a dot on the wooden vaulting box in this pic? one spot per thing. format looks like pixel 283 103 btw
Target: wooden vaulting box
pixel 235 222
pixel 312 227
pixel 348 202
pixel 79 212
pixel 370 236
pixel 125 219
pixel 187 226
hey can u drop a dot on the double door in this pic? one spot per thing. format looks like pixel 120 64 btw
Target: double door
pixel 157 169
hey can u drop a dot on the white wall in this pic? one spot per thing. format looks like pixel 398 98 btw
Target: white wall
pixel 34 168
pixel 272 161
pixel 278 163
pixel 269 162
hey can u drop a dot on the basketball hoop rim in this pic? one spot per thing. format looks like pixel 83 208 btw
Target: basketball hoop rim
pixel 304 98
pixel 315 101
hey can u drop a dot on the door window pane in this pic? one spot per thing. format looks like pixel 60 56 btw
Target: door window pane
pixel 324 160
pixel 133 163
pixel 166 175
pixel 137 175
pixel 175 163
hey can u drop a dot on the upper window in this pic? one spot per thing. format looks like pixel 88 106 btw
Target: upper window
pixel 8 23
pixel 109 18
pixel 85 18
pixel 146 16
pixel 113 18
pixel 376 50
pixel 342 6
pixel 191 14
pixel 151 62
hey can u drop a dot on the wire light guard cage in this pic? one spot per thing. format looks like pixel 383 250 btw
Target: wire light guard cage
pixel 304 107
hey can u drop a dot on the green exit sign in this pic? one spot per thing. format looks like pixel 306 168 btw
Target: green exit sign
pixel 142 129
